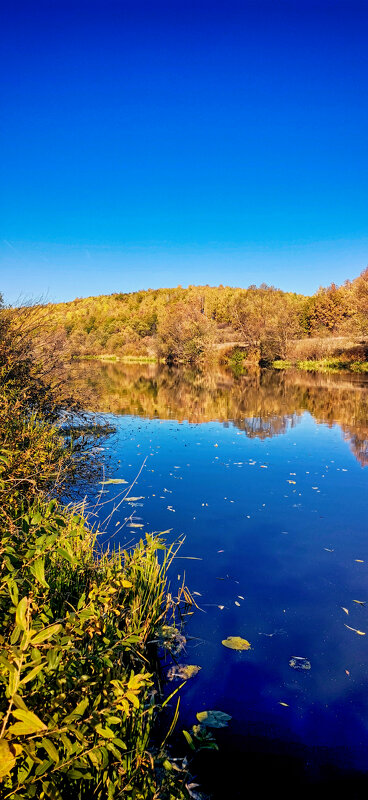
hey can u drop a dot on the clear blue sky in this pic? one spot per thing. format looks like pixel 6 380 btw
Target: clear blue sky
pixel 157 143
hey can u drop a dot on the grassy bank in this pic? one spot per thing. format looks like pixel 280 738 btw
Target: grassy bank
pixel 122 359
pixel 323 365
pixel 81 629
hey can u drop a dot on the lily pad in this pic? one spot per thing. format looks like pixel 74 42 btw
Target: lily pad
pixel 213 719
pixel 236 643
pixel 297 662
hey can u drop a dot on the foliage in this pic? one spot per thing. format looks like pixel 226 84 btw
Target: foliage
pixel 78 697
pixel 189 324
pixel 185 334
pixel 78 666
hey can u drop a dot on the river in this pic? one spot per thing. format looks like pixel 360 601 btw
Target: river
pixel 265 477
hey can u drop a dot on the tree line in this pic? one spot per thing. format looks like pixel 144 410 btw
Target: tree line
pixel 190 324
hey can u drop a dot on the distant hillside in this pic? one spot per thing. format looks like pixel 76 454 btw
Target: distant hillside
pixel 189 324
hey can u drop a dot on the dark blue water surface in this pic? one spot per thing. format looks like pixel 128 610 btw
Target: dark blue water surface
pixel 271 497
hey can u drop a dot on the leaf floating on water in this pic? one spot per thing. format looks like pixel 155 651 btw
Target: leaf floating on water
pixel 241 597
pixel 236 643
pixel 183 671
pixel 290 481
pixel 136 525
pixel 114 480
pixel 345 609
pixel 284 704
pixel 221 607
pixel 297 662
pixel 359 560
pixel 237 604
pixel 360 602
pixel 328 550
pixel 347 672
pixel 133 499
pixel 360 633
pixel 213 719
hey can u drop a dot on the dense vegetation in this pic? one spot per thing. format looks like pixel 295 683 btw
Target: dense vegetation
pixel 190 324
pixel 78 664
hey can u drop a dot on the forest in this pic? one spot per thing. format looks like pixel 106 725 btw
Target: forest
pixel 203 322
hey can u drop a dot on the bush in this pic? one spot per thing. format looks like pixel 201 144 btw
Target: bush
pixel 78 688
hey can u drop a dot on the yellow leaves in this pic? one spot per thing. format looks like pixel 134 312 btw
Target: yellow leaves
pixel 28 723
pixel 45 634
pixel 183 671
pixel 236 643
pixel 345 609
pixel 20 614
pixel 286 705
pixel 33 672
pixel 105 732
pixel 294 482
pixel 360 602
pixel 38 571
pixel 8 755
pixel 360 633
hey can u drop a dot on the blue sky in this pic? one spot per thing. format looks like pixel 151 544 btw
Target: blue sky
pixel 163 143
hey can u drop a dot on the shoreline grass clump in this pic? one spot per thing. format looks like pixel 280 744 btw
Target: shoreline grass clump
pixel 323 365
pixel 80 627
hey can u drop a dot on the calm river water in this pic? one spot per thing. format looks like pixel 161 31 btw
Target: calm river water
pixel 266 476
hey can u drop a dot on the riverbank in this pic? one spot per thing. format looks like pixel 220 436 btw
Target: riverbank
pixel 323 365
pixel 121 359
pixel 81 626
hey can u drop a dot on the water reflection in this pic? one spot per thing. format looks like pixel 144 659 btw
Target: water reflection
pixel 272 508
pixel 263 403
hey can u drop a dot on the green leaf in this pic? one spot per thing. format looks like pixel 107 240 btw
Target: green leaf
pixel 45 634
pixel 19 702
pixel 50 750
pixel 38 570
pixel 119 743
pixel 79 710
pixel 213 719
pixel 236 643
pixel 61 551
pixel 20 614
pixel 106 732
pixel 33 672
pixel 29 723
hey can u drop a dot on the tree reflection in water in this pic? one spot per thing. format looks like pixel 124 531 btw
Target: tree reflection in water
pixel 263 403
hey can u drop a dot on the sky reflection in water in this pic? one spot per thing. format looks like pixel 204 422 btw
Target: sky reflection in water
pixel 271 497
